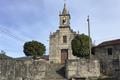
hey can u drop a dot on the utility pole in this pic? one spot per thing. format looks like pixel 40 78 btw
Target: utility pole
pixel 64 1
pixel 88 20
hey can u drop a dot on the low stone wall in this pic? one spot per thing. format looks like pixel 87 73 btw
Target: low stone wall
pixel 22 70
pixel 82 68
pixel 30 70
pixel 12 69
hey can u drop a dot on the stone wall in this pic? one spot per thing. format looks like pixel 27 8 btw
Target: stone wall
pixel 30 70
pixel 102 52
pixel 110 64
pixel 22 70
pixel 82 68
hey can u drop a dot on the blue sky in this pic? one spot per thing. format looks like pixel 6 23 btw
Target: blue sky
pixel 26 20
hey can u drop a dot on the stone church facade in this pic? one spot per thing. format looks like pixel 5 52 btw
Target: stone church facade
pixel 60 41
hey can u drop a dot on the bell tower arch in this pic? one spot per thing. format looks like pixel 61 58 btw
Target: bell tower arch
pixel 65 17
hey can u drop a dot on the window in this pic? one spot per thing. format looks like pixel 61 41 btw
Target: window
pixel 109 51
pixel 93 51
pixel 64 39
pixel 63 21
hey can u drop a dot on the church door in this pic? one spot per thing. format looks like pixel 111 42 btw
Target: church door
pixel 64 55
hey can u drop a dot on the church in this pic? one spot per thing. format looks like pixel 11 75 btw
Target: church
pixel 60 41
pixel 103 65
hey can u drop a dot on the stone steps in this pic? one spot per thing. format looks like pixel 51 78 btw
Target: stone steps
pixel 55 72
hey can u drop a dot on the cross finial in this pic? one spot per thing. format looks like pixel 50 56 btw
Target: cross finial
pixel 65 2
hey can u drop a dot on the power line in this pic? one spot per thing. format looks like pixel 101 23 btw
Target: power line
pixel 8 50
pixel 10 34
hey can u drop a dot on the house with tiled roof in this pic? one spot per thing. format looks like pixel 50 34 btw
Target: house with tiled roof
pixel 108 53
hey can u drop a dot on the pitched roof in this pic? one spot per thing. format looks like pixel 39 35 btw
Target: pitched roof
pixel 109 43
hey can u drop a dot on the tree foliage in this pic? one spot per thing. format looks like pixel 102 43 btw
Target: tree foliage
pixel 34 48
pixel 80 45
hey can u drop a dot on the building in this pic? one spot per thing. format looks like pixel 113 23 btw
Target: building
pixel 108 50
pixel 60 41
pixel 108 53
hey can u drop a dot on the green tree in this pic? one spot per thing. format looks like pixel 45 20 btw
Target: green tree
pixel 80 45
pixel 34 48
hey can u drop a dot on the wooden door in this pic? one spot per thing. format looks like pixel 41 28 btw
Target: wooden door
pixel 64 55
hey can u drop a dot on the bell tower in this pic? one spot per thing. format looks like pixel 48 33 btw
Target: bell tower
pixel 64 18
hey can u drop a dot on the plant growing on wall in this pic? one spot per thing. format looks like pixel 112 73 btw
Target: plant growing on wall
pixel 34 48
pixel 80 46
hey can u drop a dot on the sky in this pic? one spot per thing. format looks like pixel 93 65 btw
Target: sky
pixel 27 20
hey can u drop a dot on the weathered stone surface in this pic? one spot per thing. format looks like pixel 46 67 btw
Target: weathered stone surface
pixel 56 44
pixel 82 68
pixel 19 69
pixel 22 70
pixel 30 70
pixel 109 63
pixel 55 72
